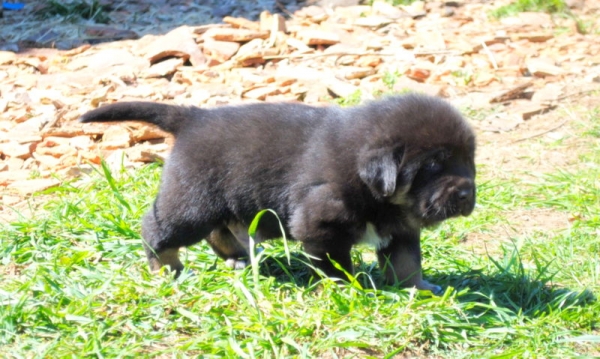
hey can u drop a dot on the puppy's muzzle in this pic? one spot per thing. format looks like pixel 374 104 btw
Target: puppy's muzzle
pixel 465 197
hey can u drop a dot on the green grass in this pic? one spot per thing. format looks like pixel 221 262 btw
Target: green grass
pixel 396 2
pixel 515 7
pixel 75 10
pixel 555 7
pixel 352 100
pixel 75 284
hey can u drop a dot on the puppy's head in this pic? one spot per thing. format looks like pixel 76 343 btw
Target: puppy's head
pixel 421 156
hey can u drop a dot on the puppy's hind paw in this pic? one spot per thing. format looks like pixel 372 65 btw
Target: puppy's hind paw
pixel 435 289
pixel 236 263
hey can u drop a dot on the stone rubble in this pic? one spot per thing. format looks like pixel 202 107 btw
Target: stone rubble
pixel 270 51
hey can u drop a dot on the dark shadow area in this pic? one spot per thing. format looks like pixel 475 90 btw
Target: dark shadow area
pixel 66 25
pixel 296 272
pixel 512 292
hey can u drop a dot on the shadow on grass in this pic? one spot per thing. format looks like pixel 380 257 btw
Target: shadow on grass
pixel 515 292
pixel 509 287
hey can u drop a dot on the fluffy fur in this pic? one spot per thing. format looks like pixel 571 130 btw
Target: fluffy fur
pixel 378 173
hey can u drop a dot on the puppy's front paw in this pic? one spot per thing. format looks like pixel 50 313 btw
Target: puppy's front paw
pixel 236 263
pixel 425 285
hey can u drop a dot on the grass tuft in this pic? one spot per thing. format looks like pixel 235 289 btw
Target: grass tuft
pixel 75 10
pixel 515 7
pixel 75 284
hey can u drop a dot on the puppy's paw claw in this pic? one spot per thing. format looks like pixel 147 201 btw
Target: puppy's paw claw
pixel 435 289
pixel 236 263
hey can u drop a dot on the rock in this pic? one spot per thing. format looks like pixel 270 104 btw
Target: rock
pixel 285 81
pixel 86 156
pixel 369 60
pixel 81 142
pixel 23 138
pixel 14 163
pixel 100 95
pixel 543 68
pixel 298 45
pixel 240 22
pixel 56 151
pixel 31 126
pixel 415 9
pixel 220 50
pixel 64 131
pixel 253 53
pixel 115 137
pixel 36 63
pixel 418 73
pixel 77 171
pixel 527 110
pixel 548 95
pixel 261 93
pixel 110 33
pixel 272 23
pixel 177 43
pixel 372 21
pixel 353 72
pixel 141 131
pixel 430 40
pixel 8 177
pixel 575 4
pixel 314 13
pixel 101 60
pixel 7 57
pixel 147 153
pixel 388 10
pixel 484 78
pixel 530 19
pixel 27 187
pixel 14 149
pixel 146 92
pixel 163 68
pixel 10 200
pixel 18 116
pixel 318 37
pixel 511 94
pixel 337 3
pixel 46 162
pixel 235 35
pixel 533 37
pixel 117 161
pixel 341 88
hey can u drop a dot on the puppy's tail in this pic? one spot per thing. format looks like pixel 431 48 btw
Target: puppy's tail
pixel 168 117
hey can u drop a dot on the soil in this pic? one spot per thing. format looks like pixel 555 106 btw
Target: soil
pixel 53 68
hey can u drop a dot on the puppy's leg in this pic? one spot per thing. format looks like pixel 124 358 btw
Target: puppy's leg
pixel 165 229
pixel 324 251
pixel 157 253
pixel 227 246
pixel 401 263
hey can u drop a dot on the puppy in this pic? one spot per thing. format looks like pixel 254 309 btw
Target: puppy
pixel 336 177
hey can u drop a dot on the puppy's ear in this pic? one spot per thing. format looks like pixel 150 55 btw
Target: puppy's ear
pixel 379 168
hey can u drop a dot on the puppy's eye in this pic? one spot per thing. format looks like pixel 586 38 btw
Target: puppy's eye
pixel 432 166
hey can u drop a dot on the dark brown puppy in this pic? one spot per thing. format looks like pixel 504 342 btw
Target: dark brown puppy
pixel 336 177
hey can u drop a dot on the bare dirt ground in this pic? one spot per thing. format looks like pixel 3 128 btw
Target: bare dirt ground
pixel 527 82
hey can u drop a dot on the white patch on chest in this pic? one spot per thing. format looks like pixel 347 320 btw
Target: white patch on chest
pixel 371 237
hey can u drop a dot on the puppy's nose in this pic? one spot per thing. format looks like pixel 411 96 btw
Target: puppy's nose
pixel 465 194
pixel 465 197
